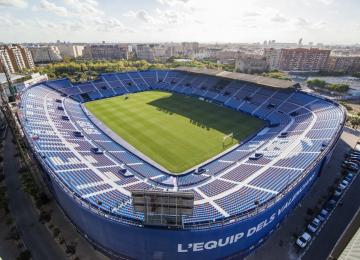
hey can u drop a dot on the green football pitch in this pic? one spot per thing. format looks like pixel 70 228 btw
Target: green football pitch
pixel 176 131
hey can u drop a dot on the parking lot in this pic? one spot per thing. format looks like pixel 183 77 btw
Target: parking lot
pixel 281 244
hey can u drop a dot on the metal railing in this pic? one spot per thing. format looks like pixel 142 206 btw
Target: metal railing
pixel 194 225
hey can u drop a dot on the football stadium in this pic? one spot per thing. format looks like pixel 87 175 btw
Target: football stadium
pixel 178 164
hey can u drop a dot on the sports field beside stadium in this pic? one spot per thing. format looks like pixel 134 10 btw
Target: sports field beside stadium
pixel 176 131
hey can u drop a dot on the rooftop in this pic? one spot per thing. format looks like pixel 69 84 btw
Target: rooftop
pixel 265 81
pixel 13 77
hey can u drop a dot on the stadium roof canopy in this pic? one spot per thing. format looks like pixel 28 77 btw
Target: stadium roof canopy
pixel 265 81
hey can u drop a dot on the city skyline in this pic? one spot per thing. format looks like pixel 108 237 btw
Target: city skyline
pixel 326 21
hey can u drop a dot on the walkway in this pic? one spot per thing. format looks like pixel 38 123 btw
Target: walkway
pixel 34 234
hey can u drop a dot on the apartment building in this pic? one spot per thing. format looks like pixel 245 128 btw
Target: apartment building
pixel 45 54
pixel 106 52
pixel 15 58
pixel 348 63
pixel 272 57
pixel 302 59
pixel 70 50
pixel 251 63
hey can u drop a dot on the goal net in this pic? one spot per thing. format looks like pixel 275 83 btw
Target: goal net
pixel 228 140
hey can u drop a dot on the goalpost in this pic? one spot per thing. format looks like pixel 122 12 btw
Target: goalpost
pixel 226 138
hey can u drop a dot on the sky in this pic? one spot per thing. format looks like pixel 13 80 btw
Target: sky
pixel 221 21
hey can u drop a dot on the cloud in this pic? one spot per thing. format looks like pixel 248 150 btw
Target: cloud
pixel 301 22
pixel 91 17
pixel 9 20
pixel 14 3
pixel 171 17
pixel 173 2
pixel 161 17
pixel 84 7
pixel 251 14
pixel 278 18
pixel 109 24
pixel 326 2
pixel 319 25
pixel 48 25
pixel 53 8
pixel 83 16
pixel 144 16
pixel 305 24
pixel 141 15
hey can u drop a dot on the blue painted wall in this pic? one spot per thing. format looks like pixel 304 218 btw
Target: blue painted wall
pixel 155 243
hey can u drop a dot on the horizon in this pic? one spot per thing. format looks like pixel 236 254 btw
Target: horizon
pixel 165 21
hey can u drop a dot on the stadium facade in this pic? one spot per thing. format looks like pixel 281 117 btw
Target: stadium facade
pixel 239 200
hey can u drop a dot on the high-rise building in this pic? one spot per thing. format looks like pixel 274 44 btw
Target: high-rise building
pixel 70 50
pixel 160 52
pixel 227 54
pixel 300 42
pixel 106 52
pixel 145 52
pixel 251 63
pixel 45 54
pixel 272 57
pixel 340 63
pixel 190 48
pixel 6 64
pixel 301 59
pixel 15 58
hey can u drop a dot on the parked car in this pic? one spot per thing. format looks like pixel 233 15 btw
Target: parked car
pixel 349 177
pixel 351 163
pixel 357 154
pixel 323 215
pixel 338 191
pixel 303 240
pixel 354 157
pixel 330 205
pixel 351 167
pixel 354 160
pixel 343 184
pixel 314 225
pixel 355 151
pixel 352 154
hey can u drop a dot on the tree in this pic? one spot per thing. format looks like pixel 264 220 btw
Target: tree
pixel 316 83
pixel 338 87
pixel 78 70
pixel 354 121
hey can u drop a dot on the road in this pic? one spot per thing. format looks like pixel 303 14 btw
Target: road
pixel 336 224
pixel 280 246
pixel 34 234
